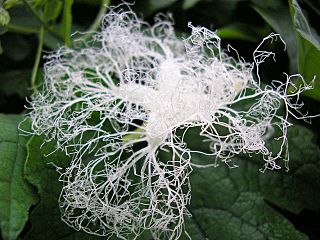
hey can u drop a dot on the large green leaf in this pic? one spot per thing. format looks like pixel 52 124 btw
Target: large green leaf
pixel 41 172
pixel 16 194
pixel 297 189
pixel 226 203
pixel 308 50
pixel 232 203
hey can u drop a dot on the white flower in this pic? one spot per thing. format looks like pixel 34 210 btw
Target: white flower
pixel 120 99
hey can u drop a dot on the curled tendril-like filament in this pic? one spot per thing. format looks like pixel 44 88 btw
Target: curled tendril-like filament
pixel 118 101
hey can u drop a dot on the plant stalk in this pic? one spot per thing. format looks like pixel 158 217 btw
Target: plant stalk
pixel 37 60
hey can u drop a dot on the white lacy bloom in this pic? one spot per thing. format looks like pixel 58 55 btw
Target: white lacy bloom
pixel 119 100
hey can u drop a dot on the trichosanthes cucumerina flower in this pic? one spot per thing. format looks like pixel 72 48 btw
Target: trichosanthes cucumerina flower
pixel 116 101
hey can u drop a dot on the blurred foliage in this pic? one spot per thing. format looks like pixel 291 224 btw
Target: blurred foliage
pixel 227 203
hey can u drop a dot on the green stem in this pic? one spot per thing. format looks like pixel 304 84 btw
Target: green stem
pixel 103 7
pixel 42 22
pixel 20 29
pixel 66 22
pixel 95 25
pixel 37 60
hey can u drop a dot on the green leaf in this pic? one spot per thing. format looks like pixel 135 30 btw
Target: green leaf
pixel 280 21
pixel 301 24
pixel 226 203
pixel 297 189
pixel 233 203
pixel 34 3
pixel 11 3
pixel 50 41
pixel 52 9
pixel 21 16
pixel 17 195
pixel 41 172
pixel 54 43
pixel 4 17
pixel 308 50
